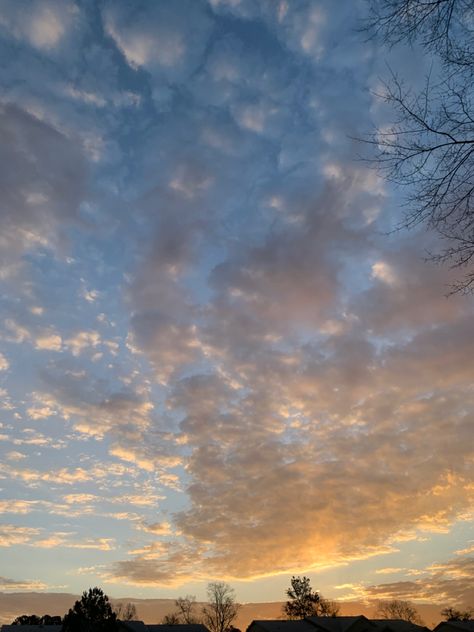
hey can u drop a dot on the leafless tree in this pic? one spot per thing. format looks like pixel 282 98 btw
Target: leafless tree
pixel 328 608
pixel 453 614
pixel 221 609
pixel 441 26
pixel 171 619
pixel 398 609
pixel 429 148
pixel 125 611
pixel 187 609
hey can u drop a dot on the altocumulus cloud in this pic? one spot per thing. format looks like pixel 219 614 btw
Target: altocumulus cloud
pixel 260 380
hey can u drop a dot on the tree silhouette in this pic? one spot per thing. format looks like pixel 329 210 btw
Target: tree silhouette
pixel 221 609
pixel 34 619
pixel 186 609
pixel 171 619
pixel 328 608
pixel 27 619
pixel 304 602
pixel 125 611
pixel 398 609
pixel 47 619
pixel 452 614
pixel 92 613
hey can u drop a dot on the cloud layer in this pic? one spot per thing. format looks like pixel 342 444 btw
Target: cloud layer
pixel 215 362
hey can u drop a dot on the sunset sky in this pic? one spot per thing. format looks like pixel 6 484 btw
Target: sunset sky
pixel 218 359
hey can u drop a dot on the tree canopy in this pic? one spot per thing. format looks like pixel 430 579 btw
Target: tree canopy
pixel 34 619
pixel 92 613
pixel 304 602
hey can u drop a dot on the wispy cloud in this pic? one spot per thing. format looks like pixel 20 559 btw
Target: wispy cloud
pixel 25 584
pixel 446 583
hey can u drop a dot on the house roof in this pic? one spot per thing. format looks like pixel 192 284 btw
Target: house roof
pixel 282 625
pixel 340 624
pixel 31 628
pixel 462 626
pixel 132 626
pixel 129 626
pixel 324 624
pixel 180 627
pixel 399 625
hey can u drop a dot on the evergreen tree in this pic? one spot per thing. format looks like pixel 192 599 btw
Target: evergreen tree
pixel 92 613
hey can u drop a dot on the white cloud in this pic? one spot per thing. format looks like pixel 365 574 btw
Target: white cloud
pixel 49 342
pixel 40 412
pixel 83 340
pixel 384 272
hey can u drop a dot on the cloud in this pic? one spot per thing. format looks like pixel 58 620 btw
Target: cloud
pixel 383 271
pixel 73 499
pixel 44 25
pixel 158 528
pixel 65 540
pixel 15 456
pixel 17 506
pixel 4 364
pixel 407 294
pixel 159 38
pixel 269 420
pixel 253 342
pixel 140 458
pixel 43 183
pixel 8 584
pixel 15 332
pixel 314 354
pixel 49 342
pixel 448 583
pixel 166 564
pixel 39 413
pixel 61 476
pixel 137 500
pixel 83 340
pixel 11 535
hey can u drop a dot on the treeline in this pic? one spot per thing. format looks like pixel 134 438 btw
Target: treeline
pixel 94 612
pixel 34 619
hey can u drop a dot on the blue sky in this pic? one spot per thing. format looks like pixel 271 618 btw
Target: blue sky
pixel 215 361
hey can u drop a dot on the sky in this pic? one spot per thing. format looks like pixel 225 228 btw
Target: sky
pixel 219 359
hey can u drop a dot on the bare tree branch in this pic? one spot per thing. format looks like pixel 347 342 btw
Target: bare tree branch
pixel 429 148
pixel 221 609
